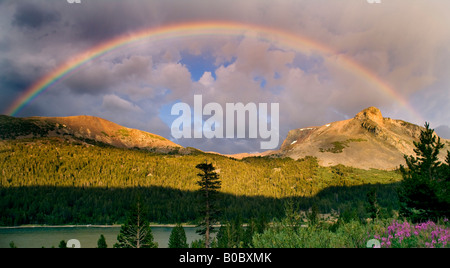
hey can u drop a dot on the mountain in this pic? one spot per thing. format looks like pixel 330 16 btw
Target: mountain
pixel 366 141
pixel 86 129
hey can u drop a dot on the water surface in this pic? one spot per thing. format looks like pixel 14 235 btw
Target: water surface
pixel 38 237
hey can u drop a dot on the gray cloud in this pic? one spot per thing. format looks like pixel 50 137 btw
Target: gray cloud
pixel 12 76
pixel 406 43
pixel 93 80
pixel 34 15
pixel 116 104
pixel 443 131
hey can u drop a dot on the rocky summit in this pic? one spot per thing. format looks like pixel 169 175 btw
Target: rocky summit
pixel 366 141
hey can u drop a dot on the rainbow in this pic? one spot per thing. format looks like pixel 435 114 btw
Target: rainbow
pixel 281 37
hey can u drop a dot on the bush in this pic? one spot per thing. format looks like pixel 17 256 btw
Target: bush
pixel 348 235
pixel 354 234
pixel 407 235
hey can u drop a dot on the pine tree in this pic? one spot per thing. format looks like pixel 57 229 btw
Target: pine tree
pixel 136 232
pixel 447 168
pixel 249 233
pixel 101 243
pixel 198 243
pixel 261 224
pixel 231 234
pixel 224 235
pixel 12 245
pixel 177 237
pixel 373 208
pixel 427 150
pixel 209 185
pixel 313 216
pixel 62 244
pixel 444 193
pixel 291 215
pixel 423 189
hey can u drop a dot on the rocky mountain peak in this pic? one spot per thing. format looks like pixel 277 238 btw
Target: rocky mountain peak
pixel 366 141
pixel 371 113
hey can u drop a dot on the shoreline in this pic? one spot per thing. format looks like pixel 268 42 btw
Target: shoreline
pixel 89 226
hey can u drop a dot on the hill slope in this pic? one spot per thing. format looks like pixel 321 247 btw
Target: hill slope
pixel 84 128
pixel 366 141
pixel 52 181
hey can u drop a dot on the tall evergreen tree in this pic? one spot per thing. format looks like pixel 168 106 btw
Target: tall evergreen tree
pixel 209 185
pixel 423 189
pixel 447 170
pixel 224 235
pixel 101 243
pixel 427 151
pixel 445 190
pixel 291 214
pixel 178 238
pixel 249 232
pixel 136 232
pixel 373 208
pixel 313 216
pixel 232 234
pixel 261 224
pixel 62 244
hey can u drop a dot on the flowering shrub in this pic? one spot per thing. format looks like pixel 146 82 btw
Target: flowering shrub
pixel 390 233
pixel 405 235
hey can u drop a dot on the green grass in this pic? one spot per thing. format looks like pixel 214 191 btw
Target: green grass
pixel 123 132
pixel 156 137
pixel 339 146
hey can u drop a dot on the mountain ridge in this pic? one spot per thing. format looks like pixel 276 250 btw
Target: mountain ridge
pixel 366 141
pixel 84 128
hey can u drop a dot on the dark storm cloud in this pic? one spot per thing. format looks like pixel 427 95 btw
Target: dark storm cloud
pixel 34 16
pixel 11 77
pixel 112 21
pixel 95 21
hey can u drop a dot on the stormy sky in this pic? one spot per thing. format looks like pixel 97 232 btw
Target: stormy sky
pixel 406 43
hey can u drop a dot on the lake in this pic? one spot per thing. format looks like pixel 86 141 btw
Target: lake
pixel 38 237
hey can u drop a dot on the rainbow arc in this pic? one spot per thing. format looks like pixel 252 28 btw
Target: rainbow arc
pixel 280 37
